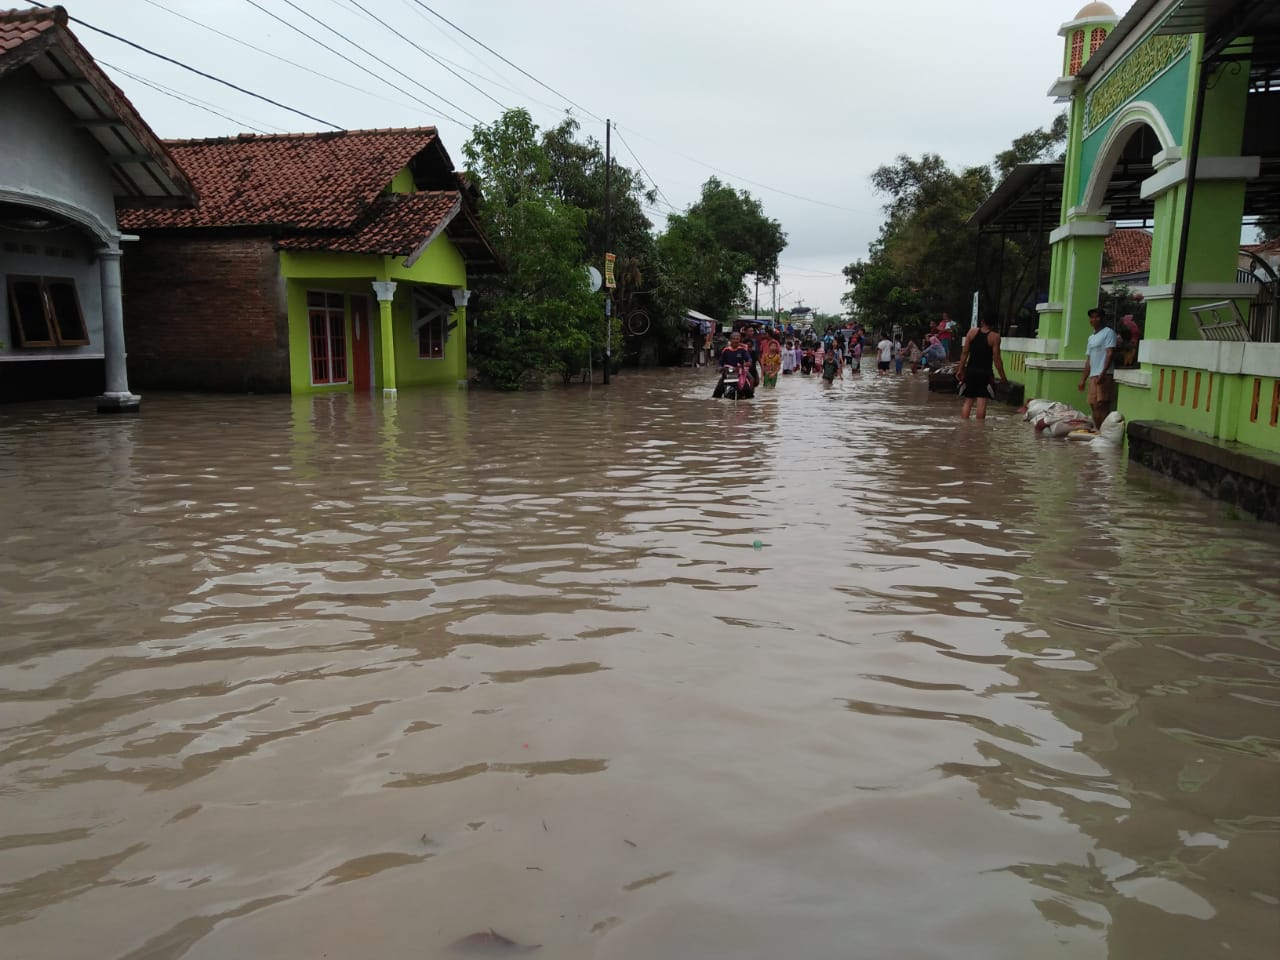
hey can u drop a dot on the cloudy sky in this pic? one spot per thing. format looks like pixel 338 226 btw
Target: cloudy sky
pixel 796 102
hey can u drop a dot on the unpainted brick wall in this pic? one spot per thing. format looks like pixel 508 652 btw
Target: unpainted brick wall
pixel 205 313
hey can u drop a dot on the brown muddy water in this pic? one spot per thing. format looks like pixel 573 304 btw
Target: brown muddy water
pixel 626 673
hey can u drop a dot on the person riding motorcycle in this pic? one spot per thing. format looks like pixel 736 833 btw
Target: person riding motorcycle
pixel 738 373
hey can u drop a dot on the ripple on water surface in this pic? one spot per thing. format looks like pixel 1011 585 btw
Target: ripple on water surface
pixel 625 673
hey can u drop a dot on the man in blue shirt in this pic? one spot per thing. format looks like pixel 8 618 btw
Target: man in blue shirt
pixel 1098 372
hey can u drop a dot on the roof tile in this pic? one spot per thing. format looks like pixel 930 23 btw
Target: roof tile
pixel 395 225
pixel 1126 251
pixel 291 181
pixel 20 26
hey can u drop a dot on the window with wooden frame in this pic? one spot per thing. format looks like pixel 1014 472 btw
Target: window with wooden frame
pixel 327 319
pixel 1077 52
pixel 431 339
pixel 45 312
pixel 431 322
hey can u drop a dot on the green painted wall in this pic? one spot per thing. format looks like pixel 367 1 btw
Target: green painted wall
pixel 402 182
pixel 441 265
pixel 1168 93
pixel 300 330
pixel 1257 433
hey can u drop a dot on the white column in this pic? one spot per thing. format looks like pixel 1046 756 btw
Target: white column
pixel 117 397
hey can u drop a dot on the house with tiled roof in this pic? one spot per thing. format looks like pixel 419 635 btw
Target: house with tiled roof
pixel 1126 257
pixel 312 263
pixel 74 151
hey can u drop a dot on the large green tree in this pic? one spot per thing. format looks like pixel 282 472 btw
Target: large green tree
pixel 706 252
pixel 927 258
pixel 537 316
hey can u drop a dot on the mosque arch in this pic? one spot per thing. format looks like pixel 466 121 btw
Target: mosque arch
pixel 1134 116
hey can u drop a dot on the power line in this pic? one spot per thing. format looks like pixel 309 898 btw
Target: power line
pixel 189 100
pixel 815 273
pixel 427 53
pixel 726 173
pixel 506 61
pixel 358 66
pixel 374 56
pixel 657 188
pixel 207 76
pixel 274 56
pixel 754 183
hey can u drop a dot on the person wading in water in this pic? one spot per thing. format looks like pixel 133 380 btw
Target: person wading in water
pixel 980 353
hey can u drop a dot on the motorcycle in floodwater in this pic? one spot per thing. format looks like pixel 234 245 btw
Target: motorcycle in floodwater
pixel 736 382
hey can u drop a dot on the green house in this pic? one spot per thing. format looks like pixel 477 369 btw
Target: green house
pixel 311 263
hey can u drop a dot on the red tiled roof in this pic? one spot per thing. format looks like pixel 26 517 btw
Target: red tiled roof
pixel 395 226
pixel 18 27
pixel 1270 246
pixel 1126 251
pixel 291 181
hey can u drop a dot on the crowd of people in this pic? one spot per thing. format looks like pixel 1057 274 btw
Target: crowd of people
pixel 755 357
pixel 758 356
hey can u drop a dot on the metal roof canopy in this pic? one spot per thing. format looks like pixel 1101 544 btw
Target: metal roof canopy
pixel 1029 199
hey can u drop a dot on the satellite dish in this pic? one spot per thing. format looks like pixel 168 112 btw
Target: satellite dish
pixel 593 278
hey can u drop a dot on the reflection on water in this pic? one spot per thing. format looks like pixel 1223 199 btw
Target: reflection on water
pixel 628 674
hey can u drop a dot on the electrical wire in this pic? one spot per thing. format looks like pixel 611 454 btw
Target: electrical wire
pixel 374 56
pixel 814 274
pixel 274 56
pixel 359 66
pixel 204 105
pixel 726 173
pixel 426 53
pixel 207 76
pixel 754 183
pixel 656 188
pixel 506 61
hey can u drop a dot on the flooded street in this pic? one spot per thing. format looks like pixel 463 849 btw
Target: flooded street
pixel 626 673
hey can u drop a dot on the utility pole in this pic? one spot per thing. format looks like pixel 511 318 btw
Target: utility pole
pixel 608 300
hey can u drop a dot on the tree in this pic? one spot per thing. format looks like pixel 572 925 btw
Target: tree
pixel 924 259
pixel 707 251
pixel 927 258
pixel 538 315
pixel 578 179
pixel 1033 146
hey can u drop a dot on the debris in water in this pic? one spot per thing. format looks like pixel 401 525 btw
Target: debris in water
pixel 493 943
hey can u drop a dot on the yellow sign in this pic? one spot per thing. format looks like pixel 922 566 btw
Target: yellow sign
pixel 609 281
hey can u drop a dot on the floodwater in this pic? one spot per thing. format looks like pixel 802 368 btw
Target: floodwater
pixel 626 673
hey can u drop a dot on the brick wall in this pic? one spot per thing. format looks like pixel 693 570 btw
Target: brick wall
pixel 205 313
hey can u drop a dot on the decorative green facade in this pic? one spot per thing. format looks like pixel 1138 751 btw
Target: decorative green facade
pixel 1150 80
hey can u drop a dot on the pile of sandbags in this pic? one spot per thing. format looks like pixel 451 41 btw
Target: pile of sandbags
pixel 1062 420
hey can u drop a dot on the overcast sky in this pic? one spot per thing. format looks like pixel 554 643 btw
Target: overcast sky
pixel 797 102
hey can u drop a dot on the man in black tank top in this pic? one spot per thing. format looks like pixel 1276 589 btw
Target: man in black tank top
pixel 980 354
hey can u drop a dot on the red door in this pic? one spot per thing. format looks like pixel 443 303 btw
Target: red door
pixel 361 349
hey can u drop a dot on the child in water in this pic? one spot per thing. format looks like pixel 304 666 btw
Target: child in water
pixel 831 367
pixel 771 362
